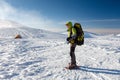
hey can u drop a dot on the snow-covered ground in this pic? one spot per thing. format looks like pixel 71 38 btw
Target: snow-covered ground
pixel 44 57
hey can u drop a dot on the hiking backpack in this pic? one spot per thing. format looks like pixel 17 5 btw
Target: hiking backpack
pixel 80 34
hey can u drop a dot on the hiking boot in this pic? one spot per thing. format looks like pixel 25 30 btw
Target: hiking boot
pixel 72 66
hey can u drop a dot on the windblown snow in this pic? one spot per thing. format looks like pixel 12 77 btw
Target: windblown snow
pixel 42 55
pixel 9 29
pixel 9 24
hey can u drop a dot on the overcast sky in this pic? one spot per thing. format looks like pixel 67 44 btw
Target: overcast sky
pixel 53 14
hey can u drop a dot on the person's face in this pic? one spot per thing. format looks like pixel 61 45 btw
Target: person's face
pixel 67 25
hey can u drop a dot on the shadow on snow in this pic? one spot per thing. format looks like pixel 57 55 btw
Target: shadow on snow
pixel 100 70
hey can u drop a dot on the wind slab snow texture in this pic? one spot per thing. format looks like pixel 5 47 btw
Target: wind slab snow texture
pixel 45 59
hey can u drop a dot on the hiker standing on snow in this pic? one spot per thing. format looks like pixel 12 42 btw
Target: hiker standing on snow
pixel 71 39
pixel 75 37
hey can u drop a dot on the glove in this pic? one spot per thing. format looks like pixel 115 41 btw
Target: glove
pixel 68 39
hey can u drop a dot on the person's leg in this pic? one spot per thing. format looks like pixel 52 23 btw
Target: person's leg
pixel 72 54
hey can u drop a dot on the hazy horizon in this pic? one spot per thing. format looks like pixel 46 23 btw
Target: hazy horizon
pixel 104 31
pixel 13 24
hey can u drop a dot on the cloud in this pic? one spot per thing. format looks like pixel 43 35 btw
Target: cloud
pixel 26 17
pixel 5 9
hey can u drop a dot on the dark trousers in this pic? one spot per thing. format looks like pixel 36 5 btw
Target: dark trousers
pixel 72 53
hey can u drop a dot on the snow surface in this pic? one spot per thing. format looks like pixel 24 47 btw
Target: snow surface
pixel 43 56
pixel 27 32
pixel 118 35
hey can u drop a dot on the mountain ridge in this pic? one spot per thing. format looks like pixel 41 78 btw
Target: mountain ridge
pixel 10 28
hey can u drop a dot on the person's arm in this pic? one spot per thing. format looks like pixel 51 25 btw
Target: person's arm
pixel 68 33
pixel 73 36
pixel 74 33
pixel 69 36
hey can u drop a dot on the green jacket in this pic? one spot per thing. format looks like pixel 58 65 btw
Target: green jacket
pixel 73 30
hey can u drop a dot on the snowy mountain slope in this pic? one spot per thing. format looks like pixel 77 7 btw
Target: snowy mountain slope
pixel 43 56
pixel 90 35
pixel 27 32
pixel 45 59
pixel 9 24
pixel 9 29
pixel 118 35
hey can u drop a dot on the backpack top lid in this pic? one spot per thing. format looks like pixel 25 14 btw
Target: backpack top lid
pixel 78 25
